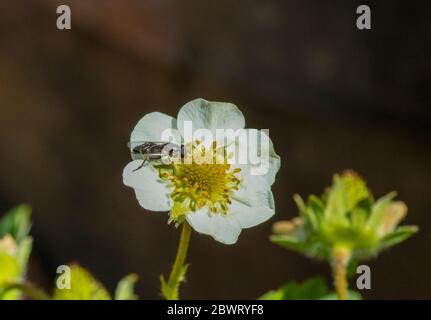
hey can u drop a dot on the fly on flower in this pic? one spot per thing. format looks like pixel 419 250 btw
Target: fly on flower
pixel 209 179
pixel 156 152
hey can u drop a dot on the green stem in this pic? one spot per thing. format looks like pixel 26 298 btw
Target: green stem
pixel 28 290
pixel 171 288
pixel 340 260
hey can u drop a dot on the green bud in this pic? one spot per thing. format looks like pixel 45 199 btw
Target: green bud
pixel 347 216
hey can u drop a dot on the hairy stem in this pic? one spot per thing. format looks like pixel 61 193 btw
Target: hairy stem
pixel 340 260
pixel 178 269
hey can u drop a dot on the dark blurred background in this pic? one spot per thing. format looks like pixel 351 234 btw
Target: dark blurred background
pixel 332 96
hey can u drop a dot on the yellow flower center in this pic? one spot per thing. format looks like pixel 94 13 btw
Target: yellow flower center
pixel 208 180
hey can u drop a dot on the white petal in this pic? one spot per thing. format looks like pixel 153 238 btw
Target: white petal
pixel 254 191
pixel 223 228
pixel 152 194
pixel 267 163
pixel 210 115
pixel 249 217
pixel 253 203
pixel 152 126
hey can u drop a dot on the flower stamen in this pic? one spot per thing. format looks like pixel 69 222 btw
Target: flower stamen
pixel 207 181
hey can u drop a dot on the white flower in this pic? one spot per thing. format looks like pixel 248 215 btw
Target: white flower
pixel 216 199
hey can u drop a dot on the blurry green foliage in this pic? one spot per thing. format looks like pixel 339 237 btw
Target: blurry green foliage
pixel 15 249
pixel 16 223
pixel 83 286
pixel 347 216
pixel 311 289
pixel 125 288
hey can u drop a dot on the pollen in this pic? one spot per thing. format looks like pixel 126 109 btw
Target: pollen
pixel 204 180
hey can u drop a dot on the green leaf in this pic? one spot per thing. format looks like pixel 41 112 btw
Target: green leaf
pixel 398 235
pixel 346 215
pixel 167 291
pixel 336 205
pixel 9 269
pixel 317 207
pixel 348 189
pixel 170 291
pixel 290 242
pixel 313 246
pixel 311 289
pixel 355 189
pixel 306 211
pixel 9 273
pixel 16 289
pixel 14 294
pixel 83 286
pixel 300 204
pixel 125 288
pixel 23 254
pixel 351 295
pixel 351 267
pixel 272 295
pixel 379 209
pixel 16 223
pixel 13 265
pixel 358 218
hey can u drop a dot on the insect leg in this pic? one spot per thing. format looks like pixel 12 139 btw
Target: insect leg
pixel 142 164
